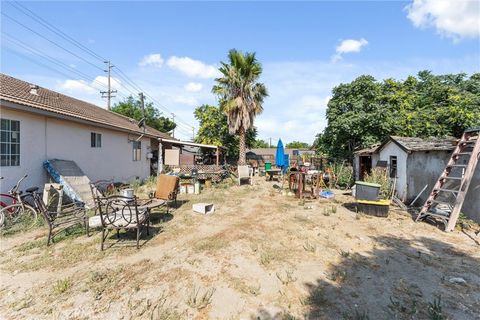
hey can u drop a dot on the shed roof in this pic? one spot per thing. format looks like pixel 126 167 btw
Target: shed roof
pixel 18 91
pixel 370 150
pixel 412 144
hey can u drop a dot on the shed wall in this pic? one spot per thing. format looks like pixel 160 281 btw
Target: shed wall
pixel 392 149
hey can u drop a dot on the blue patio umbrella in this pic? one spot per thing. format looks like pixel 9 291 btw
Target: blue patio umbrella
pixel 280 155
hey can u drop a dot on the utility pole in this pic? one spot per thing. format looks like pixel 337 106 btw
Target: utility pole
pixel 270 144
pixel 142 101
pixel 193 133
pixel 173 119
pixel 108 94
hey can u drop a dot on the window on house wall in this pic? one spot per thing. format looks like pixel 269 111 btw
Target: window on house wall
pixel 10 143
pixel 393 166
pixel 95 140
pixel 137 150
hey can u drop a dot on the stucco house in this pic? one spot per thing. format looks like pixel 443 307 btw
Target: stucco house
pixel 416 162
pixel 38 124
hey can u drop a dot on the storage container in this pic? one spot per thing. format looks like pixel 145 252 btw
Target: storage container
pixel 378 208
pixel 366 191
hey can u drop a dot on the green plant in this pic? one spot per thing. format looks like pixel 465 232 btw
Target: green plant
pixel 380 176
pixel 342 176
pixel 435 309
pixel 62 286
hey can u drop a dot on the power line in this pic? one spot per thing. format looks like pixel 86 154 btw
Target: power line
pixel 49 58
pixel 64 36
pixel 52 42
pixel 52 28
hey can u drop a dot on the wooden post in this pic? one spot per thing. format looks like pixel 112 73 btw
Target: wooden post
pixel 218 157
pixel 160 157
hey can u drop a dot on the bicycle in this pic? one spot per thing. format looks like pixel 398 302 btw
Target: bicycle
pixel 20 209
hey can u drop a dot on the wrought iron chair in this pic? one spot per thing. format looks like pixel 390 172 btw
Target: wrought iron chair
pixel 63 217
pixel 122 213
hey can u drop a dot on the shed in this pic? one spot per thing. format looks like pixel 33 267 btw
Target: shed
pixel 416 162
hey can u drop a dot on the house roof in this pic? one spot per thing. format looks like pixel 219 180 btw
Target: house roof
pixel 18 91
pixel 412 144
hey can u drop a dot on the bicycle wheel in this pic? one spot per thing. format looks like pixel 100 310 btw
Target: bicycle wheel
pixel 19 217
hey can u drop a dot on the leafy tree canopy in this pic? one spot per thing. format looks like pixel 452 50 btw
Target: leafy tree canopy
pixel 132 107
pixel 214 130
pixel 297 145
pixel 365 111
pixel 259 143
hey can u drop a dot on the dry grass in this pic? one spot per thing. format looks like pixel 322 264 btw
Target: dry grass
pixel 259 248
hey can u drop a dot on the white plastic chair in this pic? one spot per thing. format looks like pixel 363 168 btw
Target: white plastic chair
pixel 244 172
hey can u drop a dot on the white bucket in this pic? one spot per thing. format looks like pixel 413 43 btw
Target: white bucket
pixel 127 193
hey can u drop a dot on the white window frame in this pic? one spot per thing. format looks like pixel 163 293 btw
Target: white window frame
pixel 9 139
pixel 137 150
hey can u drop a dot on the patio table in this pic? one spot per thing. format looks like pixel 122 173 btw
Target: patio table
pixel 271 173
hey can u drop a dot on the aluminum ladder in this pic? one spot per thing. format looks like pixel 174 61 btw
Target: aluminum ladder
pixel 446 199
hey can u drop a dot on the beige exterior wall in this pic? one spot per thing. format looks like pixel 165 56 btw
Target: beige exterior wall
pixel 43 138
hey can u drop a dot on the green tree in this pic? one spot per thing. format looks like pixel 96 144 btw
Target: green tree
pixel 259 143
pixel 297 145
pixel 365 111
pixel 241 95
pixel 214 130
pixel 132 108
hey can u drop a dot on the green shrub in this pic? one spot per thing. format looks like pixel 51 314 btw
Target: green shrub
pixel 380 176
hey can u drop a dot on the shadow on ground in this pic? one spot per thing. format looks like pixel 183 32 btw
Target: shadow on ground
pixel 398 279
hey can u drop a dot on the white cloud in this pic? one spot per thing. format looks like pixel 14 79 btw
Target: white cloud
pixel 79 86
pixel 103 80
pixel 193 87
pixel 151 60
pixel 348 46
pixel 192 68
pixel 455 19
pixel 100 83
pixel 186 100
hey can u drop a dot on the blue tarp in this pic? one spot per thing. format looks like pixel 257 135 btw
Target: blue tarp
pixel 280 155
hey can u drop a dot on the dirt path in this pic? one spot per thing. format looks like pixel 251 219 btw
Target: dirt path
pixel 261 254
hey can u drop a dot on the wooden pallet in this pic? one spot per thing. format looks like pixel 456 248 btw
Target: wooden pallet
pixel 446 199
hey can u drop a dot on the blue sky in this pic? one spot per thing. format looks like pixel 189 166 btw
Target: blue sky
pixel 172 49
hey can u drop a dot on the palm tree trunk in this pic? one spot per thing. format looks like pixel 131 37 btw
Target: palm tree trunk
pixel 242 155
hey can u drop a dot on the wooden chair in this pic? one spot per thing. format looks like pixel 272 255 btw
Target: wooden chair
pixel 244 172
pixel 122 213
pixel 63 217
pixel 167 189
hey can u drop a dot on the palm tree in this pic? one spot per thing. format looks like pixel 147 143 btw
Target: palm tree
pixel 241 96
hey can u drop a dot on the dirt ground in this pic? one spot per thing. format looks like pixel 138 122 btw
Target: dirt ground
pixel 261 255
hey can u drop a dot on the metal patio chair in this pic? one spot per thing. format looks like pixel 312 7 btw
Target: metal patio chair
pixel 62 218
pixel 122 213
